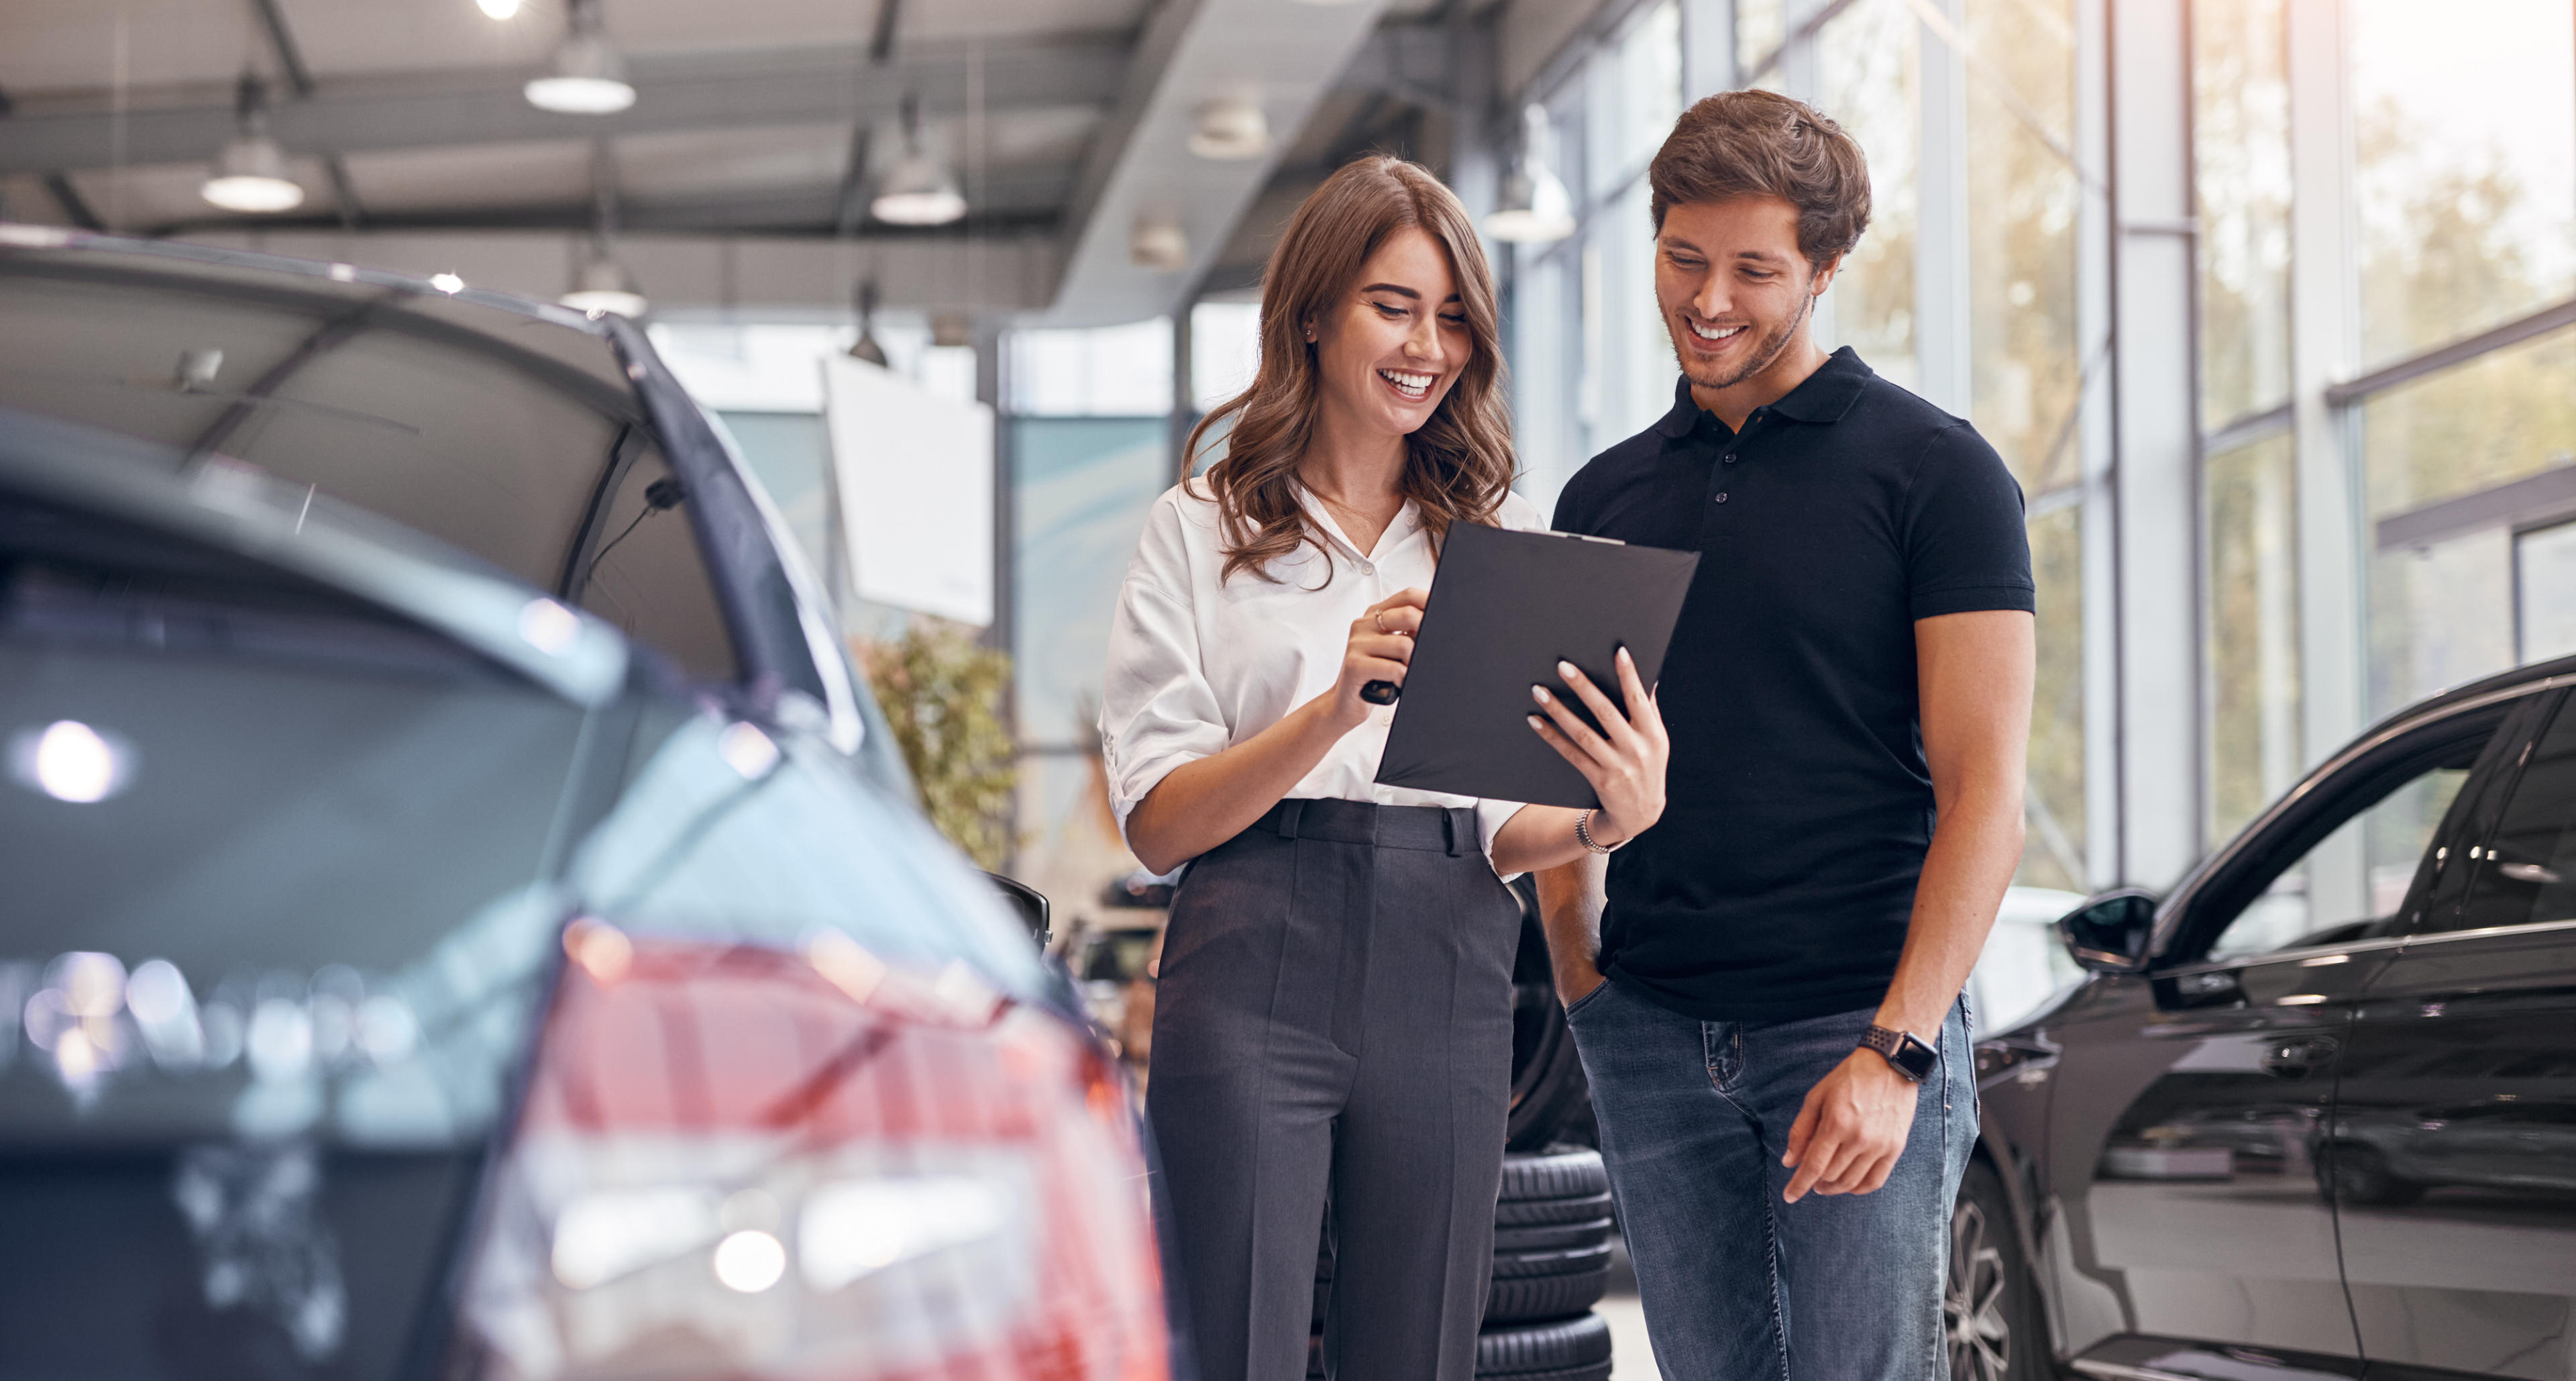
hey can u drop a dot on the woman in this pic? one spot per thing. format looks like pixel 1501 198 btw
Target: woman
pixel 1333 1014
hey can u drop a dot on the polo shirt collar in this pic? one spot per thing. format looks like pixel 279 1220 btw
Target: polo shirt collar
pixel 1823 396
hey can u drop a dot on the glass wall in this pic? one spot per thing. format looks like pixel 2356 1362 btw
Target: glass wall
pixel 1090 440
pixel 2250 630
pixel 2241 155
pixel 2464 148
pixel 1866 63
pixel 1591 360
pixel 1593 364
pixel 2436 454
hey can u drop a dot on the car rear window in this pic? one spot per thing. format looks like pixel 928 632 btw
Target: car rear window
pixel 515 440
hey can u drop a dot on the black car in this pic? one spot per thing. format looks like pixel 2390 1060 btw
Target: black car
pixel 460 914
pixel 2313 1114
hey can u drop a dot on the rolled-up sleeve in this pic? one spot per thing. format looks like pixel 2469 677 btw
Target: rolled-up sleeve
pixel 1157 710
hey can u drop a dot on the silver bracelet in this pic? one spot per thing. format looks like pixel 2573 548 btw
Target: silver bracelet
pixel 1583 834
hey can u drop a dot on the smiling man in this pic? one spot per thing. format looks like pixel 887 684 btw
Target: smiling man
pixel 1768 1000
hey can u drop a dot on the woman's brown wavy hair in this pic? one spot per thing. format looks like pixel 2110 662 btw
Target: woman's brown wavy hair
pixel 1458 466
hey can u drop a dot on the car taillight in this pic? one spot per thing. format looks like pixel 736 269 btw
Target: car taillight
pixel 740 1162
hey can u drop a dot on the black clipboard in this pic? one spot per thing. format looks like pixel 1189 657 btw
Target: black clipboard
pixel 1506 607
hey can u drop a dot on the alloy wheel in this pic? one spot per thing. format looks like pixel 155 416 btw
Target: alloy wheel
pixel 1972 1307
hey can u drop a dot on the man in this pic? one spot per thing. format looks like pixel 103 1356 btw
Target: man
pixel 1770 1007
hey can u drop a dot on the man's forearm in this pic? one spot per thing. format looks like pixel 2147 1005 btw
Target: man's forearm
pixel 1975 848
pixel 1569 907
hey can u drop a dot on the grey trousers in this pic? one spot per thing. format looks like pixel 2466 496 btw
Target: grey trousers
pixel 1333 1016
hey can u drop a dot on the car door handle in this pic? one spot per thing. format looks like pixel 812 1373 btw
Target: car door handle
pixel 2294 1059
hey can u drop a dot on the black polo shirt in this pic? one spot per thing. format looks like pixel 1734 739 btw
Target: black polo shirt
pixel 1780 880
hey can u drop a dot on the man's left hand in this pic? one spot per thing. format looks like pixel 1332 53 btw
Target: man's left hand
pixel 1851 1129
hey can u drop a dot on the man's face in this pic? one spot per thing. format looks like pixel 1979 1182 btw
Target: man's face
pixel 1734 289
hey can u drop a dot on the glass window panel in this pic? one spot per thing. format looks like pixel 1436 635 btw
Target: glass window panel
pixel 2465 165
pixel 1760 28
pixel 2251 635
pixel 2500 417
pixel 1544 373
pixel 1225 350
pixel 2440 613
pixel 1637 378
pixel 1082 487
pixel 2544 562
pixel 1867 68
pixel 1103 371
pixel 2241 152
pixel 2053 852
pixel 2022 200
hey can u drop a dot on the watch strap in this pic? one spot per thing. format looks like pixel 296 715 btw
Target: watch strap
pixel 1902 1050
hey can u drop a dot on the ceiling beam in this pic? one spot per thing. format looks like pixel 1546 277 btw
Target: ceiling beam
pixel 810 84
pixel 1028 196
pixel 76 208
pixel 1284 57
pixel 299 84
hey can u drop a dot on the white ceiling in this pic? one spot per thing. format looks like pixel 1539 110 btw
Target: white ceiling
pixel 747 120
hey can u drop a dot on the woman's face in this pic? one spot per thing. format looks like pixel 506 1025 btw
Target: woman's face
pixel 1388 351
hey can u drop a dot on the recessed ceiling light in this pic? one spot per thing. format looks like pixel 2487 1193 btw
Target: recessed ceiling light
pixel 499 9
pixel 1230 129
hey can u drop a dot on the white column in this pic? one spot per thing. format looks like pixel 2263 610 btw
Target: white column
pixel 2156 435
pixel 2334 557
pixel 1941 232
pixel 2100 533
pixel 1708 48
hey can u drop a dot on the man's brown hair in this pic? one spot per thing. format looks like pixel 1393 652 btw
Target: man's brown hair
pixel 1761 143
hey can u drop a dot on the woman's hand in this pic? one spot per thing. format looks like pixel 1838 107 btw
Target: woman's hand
pixel 1624 763
pixel 1380 649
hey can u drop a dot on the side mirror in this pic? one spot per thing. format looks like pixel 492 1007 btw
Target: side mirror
pixel 2109 933
pixel 1030 904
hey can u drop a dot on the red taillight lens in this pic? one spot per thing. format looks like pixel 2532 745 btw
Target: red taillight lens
pixel 737 1162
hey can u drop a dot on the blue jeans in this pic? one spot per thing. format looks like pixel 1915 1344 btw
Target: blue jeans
pixel 1737 1285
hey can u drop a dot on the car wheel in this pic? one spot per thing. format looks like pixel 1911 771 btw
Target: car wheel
pixel 1989 1312
pixel 2360 1175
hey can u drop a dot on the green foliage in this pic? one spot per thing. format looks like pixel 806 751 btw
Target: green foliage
pixel 942 696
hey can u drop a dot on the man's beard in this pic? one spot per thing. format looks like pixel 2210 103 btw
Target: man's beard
pixel 1766 352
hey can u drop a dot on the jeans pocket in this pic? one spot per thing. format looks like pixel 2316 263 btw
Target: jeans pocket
pixel 1580 1003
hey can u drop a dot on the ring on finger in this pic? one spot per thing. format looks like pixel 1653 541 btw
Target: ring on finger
pixel 1379 620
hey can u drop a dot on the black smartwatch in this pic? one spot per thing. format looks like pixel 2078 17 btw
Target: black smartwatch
pixel 1912 1058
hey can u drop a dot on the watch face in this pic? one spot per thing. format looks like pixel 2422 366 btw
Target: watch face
pixel 1914 1059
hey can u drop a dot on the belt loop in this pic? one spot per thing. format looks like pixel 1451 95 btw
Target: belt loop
pixel 1290 811
pixel 1449 828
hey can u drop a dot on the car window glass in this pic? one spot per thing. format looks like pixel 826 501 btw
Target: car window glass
pixel 489 431
pixel 639 570
pixel 2354 880
pixel 2528 873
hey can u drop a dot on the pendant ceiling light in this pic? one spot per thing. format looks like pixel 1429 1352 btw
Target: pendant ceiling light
pixel 587 77
pixel 865 348
pixel 250 174
pixel 1231 129
pixel 1534 207
pixel 604 285
pixel 918 189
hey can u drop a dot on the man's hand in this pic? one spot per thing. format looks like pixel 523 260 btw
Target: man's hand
pixel 1576 976
pixel 1851 1129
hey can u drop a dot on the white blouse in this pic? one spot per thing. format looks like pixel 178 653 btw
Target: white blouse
pixel 1198 664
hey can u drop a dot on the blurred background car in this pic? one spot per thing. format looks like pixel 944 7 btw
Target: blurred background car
pixel 464 916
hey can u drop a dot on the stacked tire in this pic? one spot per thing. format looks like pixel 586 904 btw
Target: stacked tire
pixel 1552 1228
